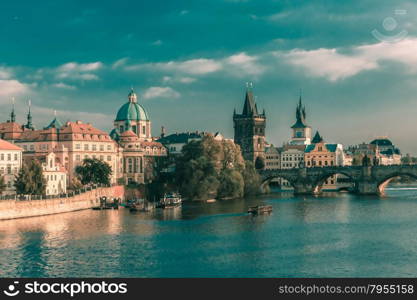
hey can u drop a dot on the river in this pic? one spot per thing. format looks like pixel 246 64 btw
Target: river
pixel 333 235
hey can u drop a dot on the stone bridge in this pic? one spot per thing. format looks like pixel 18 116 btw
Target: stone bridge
pixel 367 180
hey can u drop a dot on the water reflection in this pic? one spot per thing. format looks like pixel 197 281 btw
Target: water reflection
pixel 330 235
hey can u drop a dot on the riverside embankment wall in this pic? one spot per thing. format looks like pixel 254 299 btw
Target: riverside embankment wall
pixel 13 209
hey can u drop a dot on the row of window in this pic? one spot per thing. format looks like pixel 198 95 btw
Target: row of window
pixel 320 163
pixel 134 129
pixel 54 177
pixel 293 158
pixel 93 147
pixel 9 170
pixel 9 157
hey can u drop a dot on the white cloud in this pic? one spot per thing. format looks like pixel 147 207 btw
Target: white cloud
pixel 157 43
pixel 187 80
pixel 334 65
pixel 160 92
pixel 73 66
pixel 240 64
pixel 245 64
pixel 119 63
pixel 12 87
pixel 5 73
pixel 65 86
pixel 328 63
pixel 197 66
pixel 74 70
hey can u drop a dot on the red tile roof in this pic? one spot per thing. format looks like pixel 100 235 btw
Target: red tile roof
pixel 5 145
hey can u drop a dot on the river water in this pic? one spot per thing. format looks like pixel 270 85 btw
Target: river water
pixel 334 235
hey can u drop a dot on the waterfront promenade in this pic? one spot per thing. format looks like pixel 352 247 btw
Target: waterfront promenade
pixel 85 199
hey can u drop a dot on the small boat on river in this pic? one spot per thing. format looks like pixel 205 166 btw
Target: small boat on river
pixel 260 209
pixel 170 200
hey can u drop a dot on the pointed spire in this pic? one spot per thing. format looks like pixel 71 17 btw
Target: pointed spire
pixel 12 114
pixel 29 124
pixel 249 108
pixel 317 138
pixel 300 114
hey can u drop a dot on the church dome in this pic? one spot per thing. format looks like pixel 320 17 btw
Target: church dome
pixel 132 111
pixel 383 141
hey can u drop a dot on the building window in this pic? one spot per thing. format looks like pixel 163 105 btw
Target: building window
pixel 86 147
pixel 77 157
pixel 144 129
pixel 109 147
pixel 101 147
pixel 130 165
pixel 78 146
pixel 94 147
pixel 109 158
pixel 134 128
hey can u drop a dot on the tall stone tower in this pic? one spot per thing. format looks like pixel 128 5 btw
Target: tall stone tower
pixel 250 128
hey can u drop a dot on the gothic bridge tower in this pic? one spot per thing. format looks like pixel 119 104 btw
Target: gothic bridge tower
pixel 249 128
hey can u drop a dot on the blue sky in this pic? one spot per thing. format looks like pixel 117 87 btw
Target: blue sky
pixel 189 60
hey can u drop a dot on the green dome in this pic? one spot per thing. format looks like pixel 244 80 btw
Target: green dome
pixel 132 111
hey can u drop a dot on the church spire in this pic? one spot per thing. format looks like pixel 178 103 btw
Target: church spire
pixel 29 124
pixel 249 108
pixel 12 114
pixel 300 114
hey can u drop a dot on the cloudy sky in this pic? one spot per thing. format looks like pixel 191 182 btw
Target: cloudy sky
pixel 355 61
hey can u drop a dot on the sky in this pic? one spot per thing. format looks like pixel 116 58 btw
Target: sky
pixel 188 61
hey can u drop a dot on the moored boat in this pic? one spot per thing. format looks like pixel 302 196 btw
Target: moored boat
pixel 260 209
pixel 170 200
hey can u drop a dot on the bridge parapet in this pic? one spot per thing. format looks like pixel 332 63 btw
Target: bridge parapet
pixel 367 179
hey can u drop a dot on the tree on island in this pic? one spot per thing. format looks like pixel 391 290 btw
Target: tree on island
pixel 214 169
pixel 30 179
pixel 94 171
pixel 2 185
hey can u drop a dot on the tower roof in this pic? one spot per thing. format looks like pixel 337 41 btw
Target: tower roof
pixel 300 115
pixel 317 138
pixel 249 108
pixel 55 123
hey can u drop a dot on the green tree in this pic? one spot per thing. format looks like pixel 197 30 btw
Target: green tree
pixel 209 168
pixel 2 185
pixel 30 179
pixel 252 179
pixel 94 171
pixel 231 184
pixel 38 181
pixel 259 163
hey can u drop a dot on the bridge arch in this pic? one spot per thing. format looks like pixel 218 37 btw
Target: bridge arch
pixel 266 181
pixel 384 181
pixel 318 185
